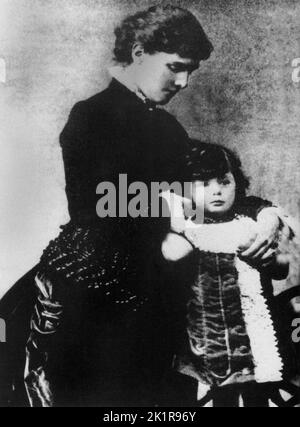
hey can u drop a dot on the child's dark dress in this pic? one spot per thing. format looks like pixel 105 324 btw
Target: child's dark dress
pixel 233 333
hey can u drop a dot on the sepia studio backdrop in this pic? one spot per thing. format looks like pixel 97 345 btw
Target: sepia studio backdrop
pixel 57 52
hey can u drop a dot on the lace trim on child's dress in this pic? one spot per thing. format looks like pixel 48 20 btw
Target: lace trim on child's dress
pixel 217 240
pixel 264 344
pixel 223 237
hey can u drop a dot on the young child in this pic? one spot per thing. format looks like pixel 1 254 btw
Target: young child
pixel 231 344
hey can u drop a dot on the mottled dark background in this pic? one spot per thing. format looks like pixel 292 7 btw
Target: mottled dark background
pixel 57 52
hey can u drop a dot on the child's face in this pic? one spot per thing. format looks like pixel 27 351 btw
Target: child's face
pixel 216 195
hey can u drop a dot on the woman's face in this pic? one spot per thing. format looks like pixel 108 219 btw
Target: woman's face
pixel 216 196
pixel 161 76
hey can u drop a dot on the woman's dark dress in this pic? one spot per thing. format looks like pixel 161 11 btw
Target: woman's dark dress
pixel 96 333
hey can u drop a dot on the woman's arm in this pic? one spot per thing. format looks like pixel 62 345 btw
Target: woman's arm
pixel 268 228
pixel 278 259
pixel 86 158
pixel 295 303
pixel 176 247
pixel 276 266
pixel 75 141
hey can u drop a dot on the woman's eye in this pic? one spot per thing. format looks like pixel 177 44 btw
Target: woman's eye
pixel 173 68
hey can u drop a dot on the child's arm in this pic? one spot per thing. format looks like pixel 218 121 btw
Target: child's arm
pixel 175 247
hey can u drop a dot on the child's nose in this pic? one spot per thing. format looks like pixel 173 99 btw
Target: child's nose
pixel 217 190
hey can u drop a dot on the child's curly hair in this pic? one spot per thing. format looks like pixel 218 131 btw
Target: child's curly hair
pixel 166 29
pixel 208 161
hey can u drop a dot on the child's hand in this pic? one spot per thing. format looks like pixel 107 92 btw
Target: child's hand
pixel 175 247
pixel 262 250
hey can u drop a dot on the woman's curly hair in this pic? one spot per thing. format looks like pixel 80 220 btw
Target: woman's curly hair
pixel 166 29
pixel 208 161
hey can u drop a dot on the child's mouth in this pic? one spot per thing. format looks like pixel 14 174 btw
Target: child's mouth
pixel 218 203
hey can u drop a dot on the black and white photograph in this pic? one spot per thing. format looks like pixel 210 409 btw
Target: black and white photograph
pixel 149 205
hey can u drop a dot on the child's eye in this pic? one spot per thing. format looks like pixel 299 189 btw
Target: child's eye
pixel 224 182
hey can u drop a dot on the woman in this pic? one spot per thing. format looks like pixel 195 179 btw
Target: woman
pixel 97 279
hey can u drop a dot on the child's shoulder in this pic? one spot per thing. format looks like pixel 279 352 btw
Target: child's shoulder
pixel 251 206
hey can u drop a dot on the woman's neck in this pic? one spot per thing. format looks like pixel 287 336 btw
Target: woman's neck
pixel 126 76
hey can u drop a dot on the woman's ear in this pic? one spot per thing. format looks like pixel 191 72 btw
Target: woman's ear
pixel 137 53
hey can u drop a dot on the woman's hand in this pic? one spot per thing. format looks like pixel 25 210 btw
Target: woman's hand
pixel 295 303
pixel 175 247
pixel 262 250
